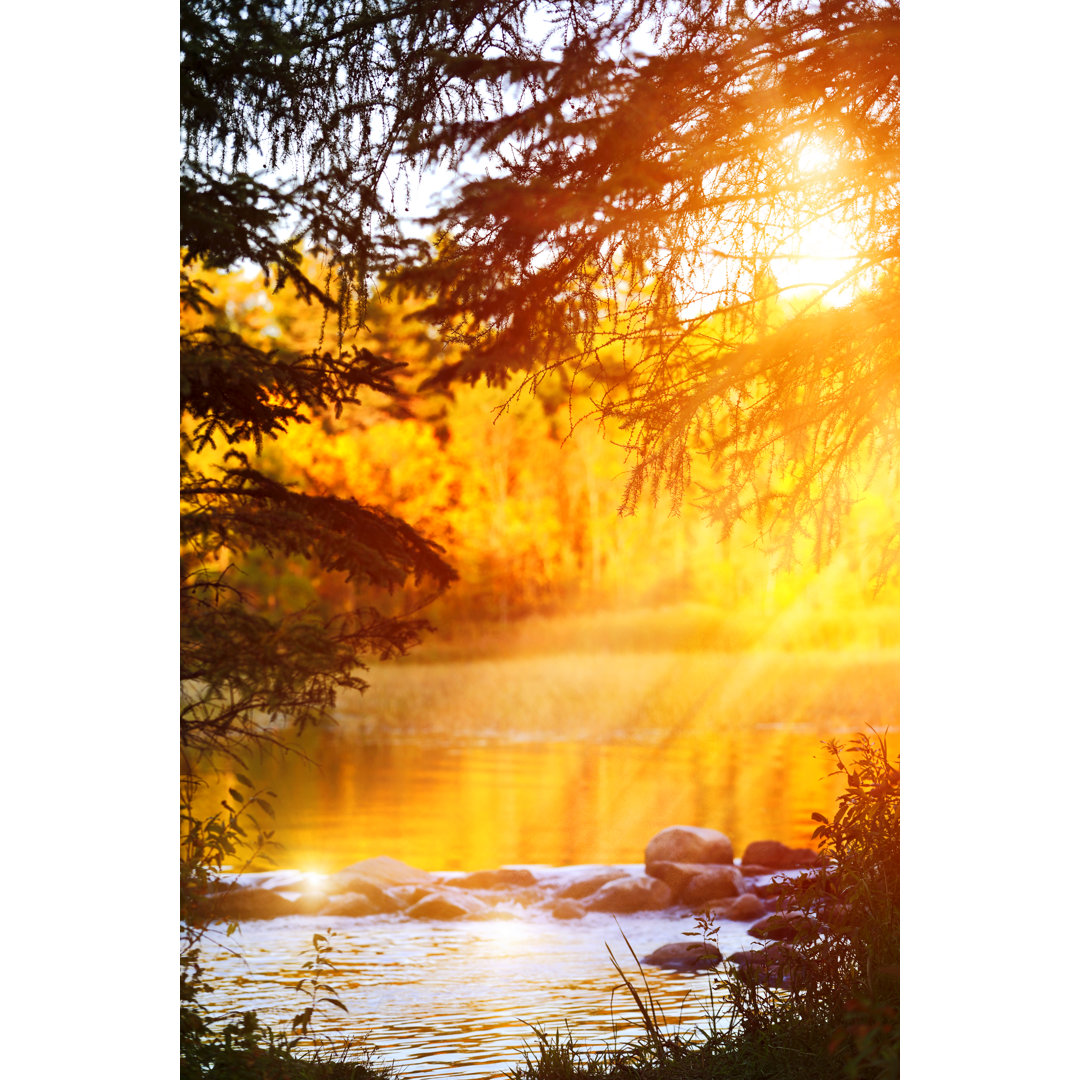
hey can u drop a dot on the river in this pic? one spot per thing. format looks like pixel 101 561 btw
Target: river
pixel 460 998
pixel 586 780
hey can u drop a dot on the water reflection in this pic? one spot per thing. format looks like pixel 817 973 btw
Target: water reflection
pixel 468 805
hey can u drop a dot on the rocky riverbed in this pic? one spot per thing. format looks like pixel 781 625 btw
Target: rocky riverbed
pixel 686 870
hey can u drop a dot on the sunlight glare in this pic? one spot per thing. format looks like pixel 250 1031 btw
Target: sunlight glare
pixel 821 251
pixel 814 157
pixel 508 934
pixel 823 255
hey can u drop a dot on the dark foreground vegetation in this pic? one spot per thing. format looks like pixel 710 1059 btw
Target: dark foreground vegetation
pixel 822 1003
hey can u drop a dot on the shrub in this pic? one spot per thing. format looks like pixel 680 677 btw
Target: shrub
pixel 836 987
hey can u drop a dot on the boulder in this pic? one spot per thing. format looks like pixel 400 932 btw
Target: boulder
pixel 350 903
pixel 745 908
pixel 685 956
pixel 525 897
pixel 381 871
pixel 759 955
pixel 778 856
pixel 247 903
pixel 785 926
pixel 311 903
pixel 440 905
pixel 587 886
pixel 381 900
pixel 407 895
pixel 494 879
pixel 689 844
pixel 752 870
pixel 717 908
pixel 787 885
pixel 715 883
pixel 775 964
pixel 629 894
pixel 676 874
pixel 566 909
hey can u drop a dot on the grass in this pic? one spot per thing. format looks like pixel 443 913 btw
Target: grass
pixel 639 673
pixel 262 1062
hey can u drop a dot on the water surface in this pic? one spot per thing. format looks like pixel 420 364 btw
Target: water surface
pixel 461 999
pixel 554 761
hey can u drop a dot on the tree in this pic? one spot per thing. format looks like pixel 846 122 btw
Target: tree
pixel 288 81
pixel 624 231
pixel 646 199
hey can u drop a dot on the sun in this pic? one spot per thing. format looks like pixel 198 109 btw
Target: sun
pixel 818 257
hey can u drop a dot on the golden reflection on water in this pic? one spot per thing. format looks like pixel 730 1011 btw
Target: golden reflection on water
pixel 572 759
pixel 474 806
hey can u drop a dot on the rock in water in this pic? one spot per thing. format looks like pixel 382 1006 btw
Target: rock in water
pixel 382 871
pixel 715 883
pixel 587 886
pixel 493 879
pixel 625 895
pixel 441 906
pixel 247 903
pixel 350 903
pixel 785 926
pixel 778 856
pixel 676 874
pixel 689 844
pixel 685 956
pixel 746 907
pixel 775 964
pixel 567 909
pixel 310 903
pixel 379 898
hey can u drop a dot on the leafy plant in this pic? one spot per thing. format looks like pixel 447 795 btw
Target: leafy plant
pixel 312 984
pixel 838 981
pixel 240 1045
